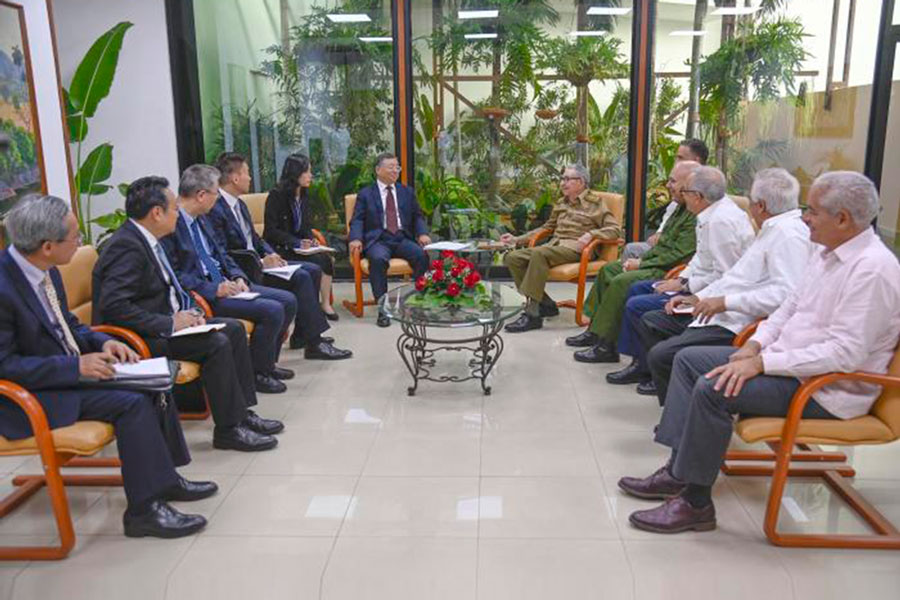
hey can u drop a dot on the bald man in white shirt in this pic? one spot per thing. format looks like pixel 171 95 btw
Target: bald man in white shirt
pixel 844 316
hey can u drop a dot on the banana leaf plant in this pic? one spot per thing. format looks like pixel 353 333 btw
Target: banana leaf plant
pixel 90 84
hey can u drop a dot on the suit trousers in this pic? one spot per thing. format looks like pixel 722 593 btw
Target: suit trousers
pixel 148 468
pixel 310 322
pixel 663 335
pixel 605 303
pixel 697 421
pixel 271 313
pixel 225 368
pixel 641 299
pixel 397 246
pixel 530 267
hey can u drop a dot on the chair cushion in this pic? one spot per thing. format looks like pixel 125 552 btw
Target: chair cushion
pixel 861 430
pixel 82 438
pixel 187 372
pixel 569 272
pixel 248 325
pixel 397 266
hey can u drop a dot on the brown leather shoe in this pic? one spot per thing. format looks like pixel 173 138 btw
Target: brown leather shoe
pixel 658 486
pixel 674 516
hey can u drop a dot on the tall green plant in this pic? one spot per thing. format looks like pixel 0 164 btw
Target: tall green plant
pixel 89 86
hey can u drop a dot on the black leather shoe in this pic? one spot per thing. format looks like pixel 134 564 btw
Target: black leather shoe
pixel 674 516
pixel 242 438
pixel 585 339
pixel 524 323
pixel 630 374
pixel 332 316
pixel 659 485
pixel 264 426
pixel 189 491
pixel 548 309
pixel 646 388
pixel 298 343
pixel 383 320
pixel 266 384
pixel 325 351
pixel 280 373
pixel 601 353
pixel 162 521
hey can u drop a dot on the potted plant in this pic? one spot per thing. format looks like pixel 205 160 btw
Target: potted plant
pixel 547 102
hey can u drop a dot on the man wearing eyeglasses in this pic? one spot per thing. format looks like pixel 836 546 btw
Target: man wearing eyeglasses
pixel 578 217
pixel 388 223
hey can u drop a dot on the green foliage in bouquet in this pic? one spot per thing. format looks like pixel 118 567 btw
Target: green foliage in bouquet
pixel 452 281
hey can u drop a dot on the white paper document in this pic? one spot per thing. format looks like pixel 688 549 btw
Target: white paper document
pixel 285 272
pixel 145 369
pixel 314 250
pixel 451 246
pixel 245 296
pixel 199 329
pixel 683 309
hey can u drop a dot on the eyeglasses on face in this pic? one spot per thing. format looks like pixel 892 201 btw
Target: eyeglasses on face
pixel 569 178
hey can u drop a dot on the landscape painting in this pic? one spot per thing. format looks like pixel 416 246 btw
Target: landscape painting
pixel 20 161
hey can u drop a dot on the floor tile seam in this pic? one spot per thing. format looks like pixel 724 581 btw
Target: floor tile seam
pixel 178 564
pixel 225 498
pixel 12 588
pixel 481 431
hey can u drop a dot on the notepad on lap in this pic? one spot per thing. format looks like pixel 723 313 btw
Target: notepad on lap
pixel 245 296
pixel 145 369
pixel 314 250
pixel 199 329
pixel 285 272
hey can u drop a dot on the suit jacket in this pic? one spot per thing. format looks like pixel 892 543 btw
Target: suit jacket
pixel 33 356
pixel 280 228
pixel 367 223
pixel 129 289
pixel 229 232
pixel 179 248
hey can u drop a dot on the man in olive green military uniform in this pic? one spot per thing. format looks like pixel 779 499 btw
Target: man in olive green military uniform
pixel 577 218
pixel 606 301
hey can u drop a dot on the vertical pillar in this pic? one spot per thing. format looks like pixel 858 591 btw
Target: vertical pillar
pixel 403 89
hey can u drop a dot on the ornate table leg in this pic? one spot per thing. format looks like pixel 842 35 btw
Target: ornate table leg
pixel 490 347
pixel 411 346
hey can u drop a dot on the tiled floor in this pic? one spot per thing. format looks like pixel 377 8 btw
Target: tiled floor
pixel 451 494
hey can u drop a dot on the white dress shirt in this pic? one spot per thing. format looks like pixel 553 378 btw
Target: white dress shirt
pixel 154 243
pixel 671 207
pixel 724 232
pixel 763 277
pixel 235 207
pixel 382 190
pixel 844 316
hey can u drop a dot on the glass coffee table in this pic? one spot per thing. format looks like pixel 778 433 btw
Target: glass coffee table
pixel 419 342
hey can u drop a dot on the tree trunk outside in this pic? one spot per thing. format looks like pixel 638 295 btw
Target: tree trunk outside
pixel 722 125
pixel 694 93
pixel 581 124
pixel 494 155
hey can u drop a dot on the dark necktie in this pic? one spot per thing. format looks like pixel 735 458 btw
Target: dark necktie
pixel 390 212
pixel 184 300
pixel 212 268
pixel 298 216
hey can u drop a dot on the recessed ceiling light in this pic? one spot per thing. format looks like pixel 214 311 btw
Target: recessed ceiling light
pixel 587 33
pixel 349 18
pixel 479 14
pixel 736 11
pixel 688 32
pixel 375 40
pixel 608 11
pixel 480 36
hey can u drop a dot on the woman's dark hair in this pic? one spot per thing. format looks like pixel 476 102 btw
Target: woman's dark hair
pixel 145 193
pixel 294 166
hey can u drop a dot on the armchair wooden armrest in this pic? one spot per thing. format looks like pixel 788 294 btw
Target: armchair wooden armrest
pixel 136 342
pixel 319 237
pixel 675 271
pixel 746 333
pixel 203 304
pixel 538 236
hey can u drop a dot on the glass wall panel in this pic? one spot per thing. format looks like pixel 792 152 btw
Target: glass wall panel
pixel 889 221
pixel 314 76
pixel 507 92
pixel 784 83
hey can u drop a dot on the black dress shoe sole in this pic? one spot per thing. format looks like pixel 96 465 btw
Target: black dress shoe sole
pixel 596 360
pixel 698 526
pixel 285 377
pixel 646 495
pixel 185 496
pixel 646 392
pixel 241 447
pixel 323 356
pixel 168 533
pixel 381 323
pixel 629 379
pixel 266 431
pixel 271 390
pixel 514 329
pixel 583 344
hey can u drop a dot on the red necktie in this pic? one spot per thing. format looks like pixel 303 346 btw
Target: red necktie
pixel 390 212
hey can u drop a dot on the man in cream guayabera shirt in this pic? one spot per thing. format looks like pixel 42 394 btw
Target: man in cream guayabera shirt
pixel 844 316
pixel 577 218
pixel 752 289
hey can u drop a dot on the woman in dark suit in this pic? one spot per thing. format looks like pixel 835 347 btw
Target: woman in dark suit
pixel 288 226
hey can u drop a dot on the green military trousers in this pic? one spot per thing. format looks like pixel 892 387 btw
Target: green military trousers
pixel 605 303
pixel 530 267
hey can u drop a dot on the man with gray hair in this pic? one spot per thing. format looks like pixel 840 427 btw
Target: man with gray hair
pixel 46 350
pixel 202 265
pixel 579 217
pixel 844 316
pixel 752 289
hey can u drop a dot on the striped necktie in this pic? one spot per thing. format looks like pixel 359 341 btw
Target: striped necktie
pixel 52 299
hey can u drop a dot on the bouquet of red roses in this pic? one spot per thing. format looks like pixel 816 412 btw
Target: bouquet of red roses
pixel 451 280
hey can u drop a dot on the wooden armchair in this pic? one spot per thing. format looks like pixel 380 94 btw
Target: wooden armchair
pixel 794 439
pixel 360 265
pixel 588 266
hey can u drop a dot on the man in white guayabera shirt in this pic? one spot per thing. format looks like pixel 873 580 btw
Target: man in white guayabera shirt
pixel 753 288
pixel 844 316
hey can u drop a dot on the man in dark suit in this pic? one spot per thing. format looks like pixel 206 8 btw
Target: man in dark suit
pixel 45 349
pixel 202 265
pixel 388 222
pixel 234 230
pixel 135 286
